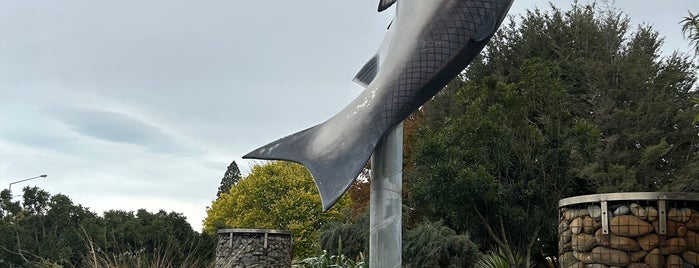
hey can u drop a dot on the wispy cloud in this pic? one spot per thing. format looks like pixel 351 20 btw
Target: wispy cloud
pixel 115 127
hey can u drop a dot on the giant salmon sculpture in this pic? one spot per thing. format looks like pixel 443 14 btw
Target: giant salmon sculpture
pixel 428 43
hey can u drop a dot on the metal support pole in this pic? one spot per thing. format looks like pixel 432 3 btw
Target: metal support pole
pixel 385 205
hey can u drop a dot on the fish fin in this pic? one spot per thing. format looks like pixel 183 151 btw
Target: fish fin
pixel 371 68
pixel 333 167
pixel 385 4
pixel 368 72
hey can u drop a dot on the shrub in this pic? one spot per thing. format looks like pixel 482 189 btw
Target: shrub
pixel 435 245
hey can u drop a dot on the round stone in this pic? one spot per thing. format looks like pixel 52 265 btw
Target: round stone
pixel 675 215
pixel 693 222
pixel 630 226
pixel 570 214
pixel 622 210
pixel 566 236
pixel 638 265
pixel 618 242
pixel 674 261
pixel 637 256
pixel 682 231
pixel 583 242
pixel 584 257
pixel 648 242
pixel 655 259
pixel 576 225
pixel 652 213
pixel 638 211
pixel 670 227
pixel 610 256
pixel 692 240
pixel 691 257
pixel 595 211
pixel 563 225
pixel 674 245
pixel 590 225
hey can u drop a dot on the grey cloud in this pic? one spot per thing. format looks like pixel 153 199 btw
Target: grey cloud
pixel 120 128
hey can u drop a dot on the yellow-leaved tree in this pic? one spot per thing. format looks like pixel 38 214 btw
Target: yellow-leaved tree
pixel 276 195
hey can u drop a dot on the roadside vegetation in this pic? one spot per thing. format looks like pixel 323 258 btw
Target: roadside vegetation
pixel 44 230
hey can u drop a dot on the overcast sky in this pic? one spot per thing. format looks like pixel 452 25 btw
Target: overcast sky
pixel 143 104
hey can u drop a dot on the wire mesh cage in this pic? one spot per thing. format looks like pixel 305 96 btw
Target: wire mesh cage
pixel 633 230
pixel 253 248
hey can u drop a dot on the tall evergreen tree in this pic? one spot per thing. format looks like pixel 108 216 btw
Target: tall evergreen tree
pixel 638 102
pixel 230 179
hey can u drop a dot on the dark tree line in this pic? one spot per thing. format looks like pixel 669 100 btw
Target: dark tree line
pixel 44 230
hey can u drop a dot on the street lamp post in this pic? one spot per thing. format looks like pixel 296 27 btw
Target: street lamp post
pixel 11 183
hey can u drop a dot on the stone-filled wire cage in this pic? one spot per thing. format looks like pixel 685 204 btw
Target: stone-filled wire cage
pixel 635 230
pixel 253 248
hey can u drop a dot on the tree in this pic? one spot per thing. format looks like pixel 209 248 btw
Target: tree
pixel 68 227
pixel 230 179
pixel 638 103
pixel 495 144
pixel 690 28
pixel 9 209
pixel 277 195
pixel 36 201
pixel 153 235
pixel 561 104
pixel 48 231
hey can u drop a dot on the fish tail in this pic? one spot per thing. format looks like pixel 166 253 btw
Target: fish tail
pixel 333 157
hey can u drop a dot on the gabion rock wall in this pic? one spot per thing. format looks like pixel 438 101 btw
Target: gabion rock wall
pixel 635 230
pixel 253 248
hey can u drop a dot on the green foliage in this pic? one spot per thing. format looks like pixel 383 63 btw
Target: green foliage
pixel 154 235
pixel 52 231
pixel 690 29
pixel 436 245
pixel 498 259
pixel 277 195
pixel 563 103
pixel 618 85
pixel 488 153
pixel 230 179
pixel 492 260
pixel 354 236
pixel 324 260
pixel 8 208
pixel 339 260
pixel 169 255
pixel 43 219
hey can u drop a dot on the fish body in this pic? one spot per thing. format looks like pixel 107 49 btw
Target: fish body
pixel 428 43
